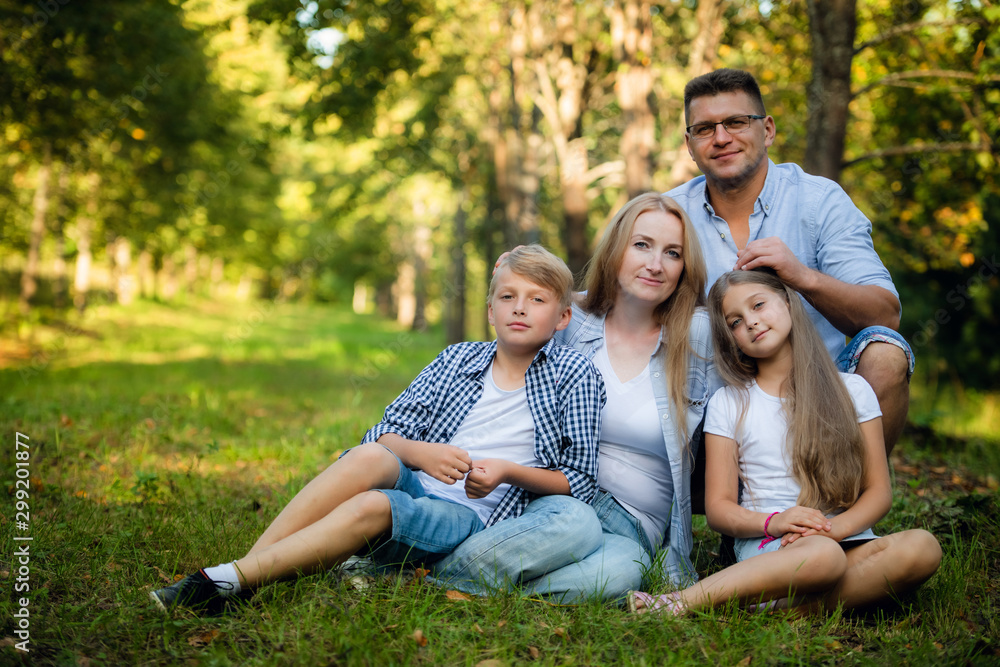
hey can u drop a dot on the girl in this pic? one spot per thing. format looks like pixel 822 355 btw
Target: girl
pixel 806 441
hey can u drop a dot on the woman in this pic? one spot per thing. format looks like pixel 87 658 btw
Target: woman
pixel 641 322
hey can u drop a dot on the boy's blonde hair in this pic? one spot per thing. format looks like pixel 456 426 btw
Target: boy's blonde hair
pixel 541 267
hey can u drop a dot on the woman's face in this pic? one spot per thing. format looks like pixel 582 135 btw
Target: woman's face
pixel 653 259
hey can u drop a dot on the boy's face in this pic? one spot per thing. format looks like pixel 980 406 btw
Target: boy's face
pixel 525 314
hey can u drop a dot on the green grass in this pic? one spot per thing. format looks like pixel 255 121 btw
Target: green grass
pixel 164 438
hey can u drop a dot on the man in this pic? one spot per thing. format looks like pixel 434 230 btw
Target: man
pixel 750 212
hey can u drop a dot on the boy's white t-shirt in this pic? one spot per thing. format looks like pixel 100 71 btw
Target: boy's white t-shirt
pixel 765 465
pixel 632 459
pixel 499 426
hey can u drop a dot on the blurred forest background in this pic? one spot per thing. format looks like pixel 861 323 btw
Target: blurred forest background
pixel 381 154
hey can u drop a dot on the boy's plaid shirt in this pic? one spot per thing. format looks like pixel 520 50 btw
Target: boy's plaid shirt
pixel 565 395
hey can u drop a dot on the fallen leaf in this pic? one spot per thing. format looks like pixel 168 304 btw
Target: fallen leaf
pixel 7 641
pixel 475 626
pixel 834 645
pixel 390 627
pixel 559 632
pixel 420 573
pixel 359 582
pixel 150 424
pixel 4 574
pixel 938 646
pixel 418 636
pixel 64 420
pixel 457 596
pixel 534 652
pixel 501 624
pixel 204 639
pixel 745 661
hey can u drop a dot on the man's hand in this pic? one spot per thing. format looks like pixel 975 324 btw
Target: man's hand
pixel 444 463
pixel 486 475
pixel 772 252
pixel 503 257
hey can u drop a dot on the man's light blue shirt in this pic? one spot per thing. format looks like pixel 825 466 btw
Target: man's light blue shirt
pixel 812 215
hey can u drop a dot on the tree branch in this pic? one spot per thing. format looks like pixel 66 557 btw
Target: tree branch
pixel 910 27
pixel 605 169
pixel 899 77
pixel 945 147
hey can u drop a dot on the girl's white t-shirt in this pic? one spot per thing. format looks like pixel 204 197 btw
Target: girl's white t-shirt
pixel 499 426
pixel 632 459
pixel 765 465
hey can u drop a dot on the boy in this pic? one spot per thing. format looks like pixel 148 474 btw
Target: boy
pixel 483 429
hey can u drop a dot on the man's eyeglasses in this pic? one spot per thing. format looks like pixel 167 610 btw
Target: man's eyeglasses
pixel 733 125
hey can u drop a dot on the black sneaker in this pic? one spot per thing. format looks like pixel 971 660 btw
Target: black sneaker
pixel 196 591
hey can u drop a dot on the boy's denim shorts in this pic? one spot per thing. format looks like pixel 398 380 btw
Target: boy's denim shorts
pixel 425 528
pixel 848 360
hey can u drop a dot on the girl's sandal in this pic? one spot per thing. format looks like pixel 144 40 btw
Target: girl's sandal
pixel 669 603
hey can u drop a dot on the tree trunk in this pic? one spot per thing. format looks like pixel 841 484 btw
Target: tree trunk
pixel 84 255
pixel 190 268
pixel 454 295
pixel 40 206
pixel 832 26
pixel 146 275
pixel 575 209
pixel 701 61
pixel 59 232
pixel 123 283
pixel 421 257
pixel 632 38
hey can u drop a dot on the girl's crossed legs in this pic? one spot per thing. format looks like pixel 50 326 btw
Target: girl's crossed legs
pixel 815 574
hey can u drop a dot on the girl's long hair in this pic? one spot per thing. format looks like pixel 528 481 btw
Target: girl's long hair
pixel 824 439
pixel 674 314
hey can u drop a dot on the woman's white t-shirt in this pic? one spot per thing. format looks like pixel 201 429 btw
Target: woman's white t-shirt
pixel 632 460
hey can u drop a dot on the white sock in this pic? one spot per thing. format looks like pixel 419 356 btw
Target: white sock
pixel 225 573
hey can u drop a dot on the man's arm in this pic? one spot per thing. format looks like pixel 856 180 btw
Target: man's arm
pixel 848 307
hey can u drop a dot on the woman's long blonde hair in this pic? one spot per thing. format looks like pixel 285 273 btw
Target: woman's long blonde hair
pixel 824 438
pixel 674 314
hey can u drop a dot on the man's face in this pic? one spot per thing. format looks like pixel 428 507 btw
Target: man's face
pixel 729 160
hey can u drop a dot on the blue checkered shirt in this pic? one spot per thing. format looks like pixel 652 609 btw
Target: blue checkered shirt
pixel 565 395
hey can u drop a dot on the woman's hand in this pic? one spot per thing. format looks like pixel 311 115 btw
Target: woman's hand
pixel 485 476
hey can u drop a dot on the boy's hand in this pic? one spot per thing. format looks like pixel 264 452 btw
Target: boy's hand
pixel 486 475
pixel 796 522
pixel 445 463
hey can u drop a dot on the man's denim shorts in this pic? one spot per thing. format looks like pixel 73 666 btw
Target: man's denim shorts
pixel 848 360
pixel 424 528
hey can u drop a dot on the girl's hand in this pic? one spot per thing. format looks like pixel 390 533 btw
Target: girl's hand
pixel 796 521
pixel 445 463
pixel 486 475
pixel 832 533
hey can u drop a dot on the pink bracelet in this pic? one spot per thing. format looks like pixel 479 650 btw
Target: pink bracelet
pixel 767 537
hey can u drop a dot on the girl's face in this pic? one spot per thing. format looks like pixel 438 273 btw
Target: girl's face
pixel 653 259
pixel 758 318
